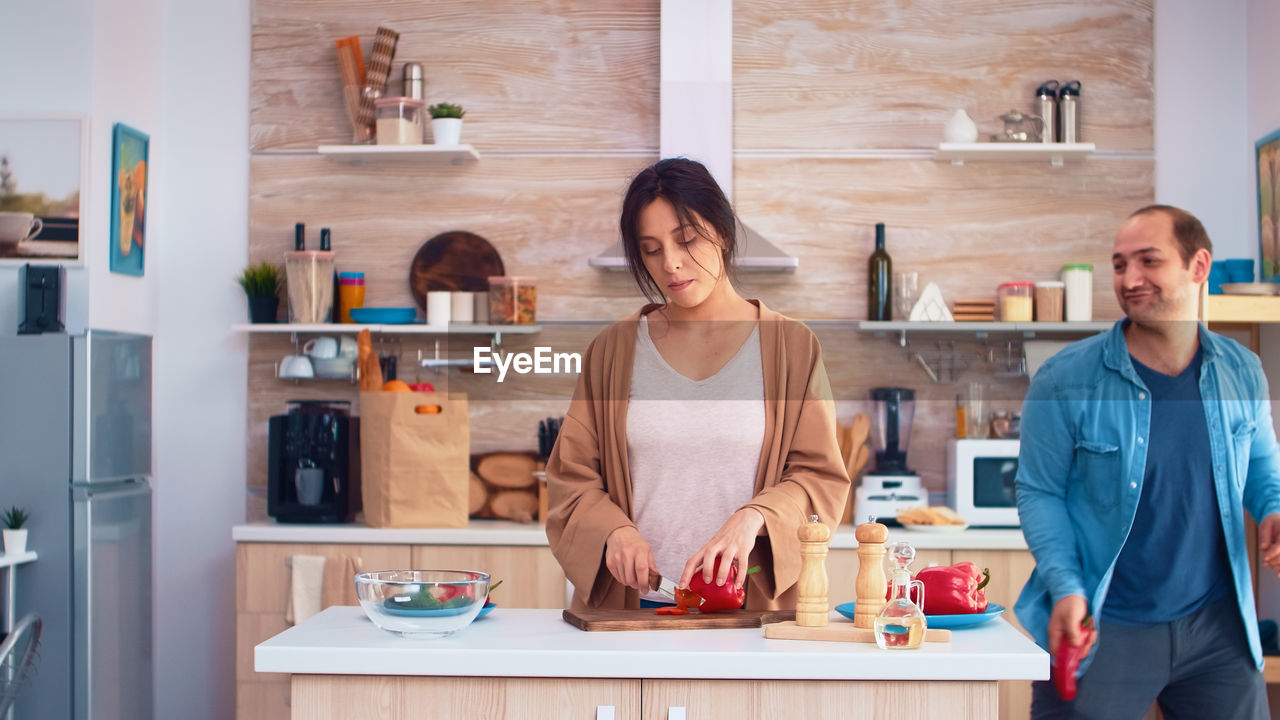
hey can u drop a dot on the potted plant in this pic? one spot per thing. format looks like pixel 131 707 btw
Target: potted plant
pixel 15 536
pixel 446 123
pixel 261 283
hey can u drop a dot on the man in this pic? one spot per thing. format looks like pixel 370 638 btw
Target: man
pixel 1139 448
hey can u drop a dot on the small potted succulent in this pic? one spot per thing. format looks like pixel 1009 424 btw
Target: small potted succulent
pixel 15 535
pixel 261 283
pixel 446 123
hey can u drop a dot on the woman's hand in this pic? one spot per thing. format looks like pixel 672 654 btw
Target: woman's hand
pixel 734 541
pixel 629 557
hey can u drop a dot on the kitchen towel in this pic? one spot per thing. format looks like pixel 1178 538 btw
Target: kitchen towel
pixel 306 591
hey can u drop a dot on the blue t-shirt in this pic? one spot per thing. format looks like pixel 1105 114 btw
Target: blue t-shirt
pixel 1174 561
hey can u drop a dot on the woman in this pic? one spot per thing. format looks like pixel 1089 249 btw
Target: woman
pixel 702 427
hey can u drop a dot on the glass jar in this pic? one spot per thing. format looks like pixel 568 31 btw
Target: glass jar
pixel 513 300
pixel 399 120
pixel 1049 301
pixel 1078 281
pixel 350 294
pixel 1014 301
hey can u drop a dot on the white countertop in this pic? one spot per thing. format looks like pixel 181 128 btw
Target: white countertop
pixel 538 643
pixel 504 532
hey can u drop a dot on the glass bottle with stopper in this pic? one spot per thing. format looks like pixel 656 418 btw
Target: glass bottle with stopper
pixel 901 624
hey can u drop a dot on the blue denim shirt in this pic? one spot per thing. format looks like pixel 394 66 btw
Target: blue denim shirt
pixel 1083 456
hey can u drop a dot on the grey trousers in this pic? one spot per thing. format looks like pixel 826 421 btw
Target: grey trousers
pixel 1197 668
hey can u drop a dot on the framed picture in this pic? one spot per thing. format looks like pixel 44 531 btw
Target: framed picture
pixel 44 163
pixel 1269 206
pixel 128 199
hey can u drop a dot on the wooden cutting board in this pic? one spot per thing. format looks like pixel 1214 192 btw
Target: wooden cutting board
pixel 454 261
pixel 609 620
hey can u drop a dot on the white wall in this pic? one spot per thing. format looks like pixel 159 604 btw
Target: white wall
pixel 200 364
pixel 1202 146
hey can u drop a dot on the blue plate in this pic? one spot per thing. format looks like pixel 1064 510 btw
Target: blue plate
pixel 488 608
pixel 943 622
pixel 384 316
pixel 442 612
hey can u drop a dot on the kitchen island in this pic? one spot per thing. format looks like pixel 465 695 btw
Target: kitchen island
pixel 526 663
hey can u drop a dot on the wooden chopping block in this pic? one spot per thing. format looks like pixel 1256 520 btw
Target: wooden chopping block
pixel 615 620
pixel 839 632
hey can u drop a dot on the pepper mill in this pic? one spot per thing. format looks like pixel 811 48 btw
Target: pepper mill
pixel 871 584
pixel 811 589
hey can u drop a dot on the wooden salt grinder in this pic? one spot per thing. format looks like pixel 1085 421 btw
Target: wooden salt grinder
pixel 811 589
pixel 871 584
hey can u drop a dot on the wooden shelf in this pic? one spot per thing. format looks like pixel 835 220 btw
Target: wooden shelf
pixel 11 559
pixel 452 154
pixel 1054 153
pixel 982 329
pixel 1247 309
pixel 405 329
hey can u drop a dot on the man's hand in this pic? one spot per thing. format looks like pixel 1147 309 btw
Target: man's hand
pixel 629 557
pixel 733 542
pixel 1269 541
pixel 1064 623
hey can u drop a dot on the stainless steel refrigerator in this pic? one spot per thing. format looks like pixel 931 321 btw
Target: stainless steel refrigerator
pixel 75 451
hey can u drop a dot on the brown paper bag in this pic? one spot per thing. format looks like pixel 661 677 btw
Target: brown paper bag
pixel 415 467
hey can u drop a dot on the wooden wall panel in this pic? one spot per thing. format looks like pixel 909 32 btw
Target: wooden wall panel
pixel 873 74
pixel 530 73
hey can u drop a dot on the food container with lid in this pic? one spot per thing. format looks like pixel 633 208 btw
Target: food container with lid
pixel 1049 301
pixel 1078 281
pixel 513 300
pixel 1013 301
pixel 399 120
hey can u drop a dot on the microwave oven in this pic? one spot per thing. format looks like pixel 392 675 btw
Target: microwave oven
pixel 980 481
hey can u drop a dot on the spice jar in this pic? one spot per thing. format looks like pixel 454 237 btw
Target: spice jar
pixel 1049 301
pixel 1078 282
pixel 350 294
pixel 399 120
pixel 513 300
pixel 1014 301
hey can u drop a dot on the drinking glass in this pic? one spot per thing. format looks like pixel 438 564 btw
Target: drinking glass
pixel 905 291
pixel 975 417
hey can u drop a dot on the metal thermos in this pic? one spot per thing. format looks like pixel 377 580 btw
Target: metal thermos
pixel 1069 106
pixel 1047 109
pixel 413 80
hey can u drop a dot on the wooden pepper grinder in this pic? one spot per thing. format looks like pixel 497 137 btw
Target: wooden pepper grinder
pixel 871 584
pixel 811 589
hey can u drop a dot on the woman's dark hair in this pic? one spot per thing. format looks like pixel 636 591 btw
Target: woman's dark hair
pixel 690 189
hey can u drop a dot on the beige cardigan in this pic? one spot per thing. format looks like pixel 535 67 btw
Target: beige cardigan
pixel 800 471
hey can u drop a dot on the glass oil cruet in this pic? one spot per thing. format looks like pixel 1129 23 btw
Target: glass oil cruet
pixel 901 624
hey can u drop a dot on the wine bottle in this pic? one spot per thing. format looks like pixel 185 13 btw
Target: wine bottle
pixel 879 281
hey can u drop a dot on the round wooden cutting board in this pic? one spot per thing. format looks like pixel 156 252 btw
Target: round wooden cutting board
pixel 457 261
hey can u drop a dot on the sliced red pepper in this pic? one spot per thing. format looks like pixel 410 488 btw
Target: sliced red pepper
pixel 1066 662
pixel 717 598
pixel 685 601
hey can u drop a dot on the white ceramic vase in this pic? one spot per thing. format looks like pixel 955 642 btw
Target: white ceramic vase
pixel 15 542
pixel 960 128
pixel 446 131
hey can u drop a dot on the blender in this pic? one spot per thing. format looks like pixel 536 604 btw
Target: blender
pixel 891 486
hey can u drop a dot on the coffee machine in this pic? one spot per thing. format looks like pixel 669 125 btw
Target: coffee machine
pixel 891 486
pixel 313 473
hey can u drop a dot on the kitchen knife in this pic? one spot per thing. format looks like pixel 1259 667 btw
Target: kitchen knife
pixel 657 583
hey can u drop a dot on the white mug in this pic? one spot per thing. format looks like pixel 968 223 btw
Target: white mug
pixel 16 227
pixel 296 366
pixel 438 308
pixel 324 348
pixel 347 347
pixel 462 308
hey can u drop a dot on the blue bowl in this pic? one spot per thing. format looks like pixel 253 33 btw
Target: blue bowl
pixel 942 622
pixel 384 316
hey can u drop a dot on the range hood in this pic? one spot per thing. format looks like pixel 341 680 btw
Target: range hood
pixel 696 115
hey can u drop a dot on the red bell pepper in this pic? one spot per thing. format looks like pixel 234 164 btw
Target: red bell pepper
pixel 953 590
pixel 716 598
pixel 1066 662
pixel 685 601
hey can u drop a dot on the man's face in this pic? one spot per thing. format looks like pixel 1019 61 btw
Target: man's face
pixel 1152 282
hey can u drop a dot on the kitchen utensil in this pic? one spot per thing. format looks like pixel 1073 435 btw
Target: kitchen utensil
pixel 645 619
pixel 351 68
pixel 388 365
pixel 454 260
pixel 323 347
pixel 657 583
pixel 413 80
pixel 295 366
pixel 18 227
pixel 940 622
pixel 384 49
pixel 309 277
pixel 384 316
pixel 1019 127
pixel 339 368
pixel 548 430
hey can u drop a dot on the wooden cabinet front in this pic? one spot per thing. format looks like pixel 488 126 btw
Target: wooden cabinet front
pixel 531 577
pixel 816 699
